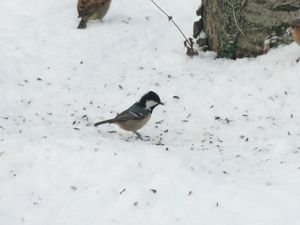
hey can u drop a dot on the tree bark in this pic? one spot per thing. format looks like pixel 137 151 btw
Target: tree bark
pixel 239 28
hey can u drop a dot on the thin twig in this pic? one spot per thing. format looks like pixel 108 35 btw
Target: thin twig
pixel 236 23
pixel 234 17
pixel 283 4
pixel 170 18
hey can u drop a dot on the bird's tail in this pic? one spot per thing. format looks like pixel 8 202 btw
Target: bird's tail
pixel 103 122
pixel 82 24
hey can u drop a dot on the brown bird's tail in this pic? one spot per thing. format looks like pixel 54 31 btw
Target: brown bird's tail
pixel 82 23
pixel 103 122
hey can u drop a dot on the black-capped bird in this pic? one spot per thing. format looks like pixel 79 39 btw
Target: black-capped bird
pixel 137 115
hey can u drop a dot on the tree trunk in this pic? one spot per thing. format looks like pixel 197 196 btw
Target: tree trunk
pixel 239 28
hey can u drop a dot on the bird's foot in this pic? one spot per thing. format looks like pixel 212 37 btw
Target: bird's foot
pixel 139 136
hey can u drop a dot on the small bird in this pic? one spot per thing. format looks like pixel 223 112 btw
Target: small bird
pixel 91 10
pixel 294 29
pixel 136 116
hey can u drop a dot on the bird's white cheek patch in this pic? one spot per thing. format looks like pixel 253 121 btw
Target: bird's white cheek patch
pixel 150 103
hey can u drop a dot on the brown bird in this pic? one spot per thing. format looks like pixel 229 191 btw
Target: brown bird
pixel 91 10
pixel 294 29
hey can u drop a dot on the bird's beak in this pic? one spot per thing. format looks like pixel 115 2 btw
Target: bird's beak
pixel 161 103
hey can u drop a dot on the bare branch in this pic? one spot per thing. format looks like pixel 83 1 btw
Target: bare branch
pixel 170 18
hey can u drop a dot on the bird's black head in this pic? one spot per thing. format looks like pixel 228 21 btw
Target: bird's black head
pixel 150 100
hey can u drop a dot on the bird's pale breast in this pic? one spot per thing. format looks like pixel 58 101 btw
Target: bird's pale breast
pixel 134 125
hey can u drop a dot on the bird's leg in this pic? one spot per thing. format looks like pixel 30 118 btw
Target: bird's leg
pixel 298 60
pixel 138 135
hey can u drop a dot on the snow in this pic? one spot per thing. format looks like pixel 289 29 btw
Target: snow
pixel 226 152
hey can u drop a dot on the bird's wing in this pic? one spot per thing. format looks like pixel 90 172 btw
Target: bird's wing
pixel 129 115
pixel 87 7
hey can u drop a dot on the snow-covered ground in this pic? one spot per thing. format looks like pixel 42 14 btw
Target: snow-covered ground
pixel 224 150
